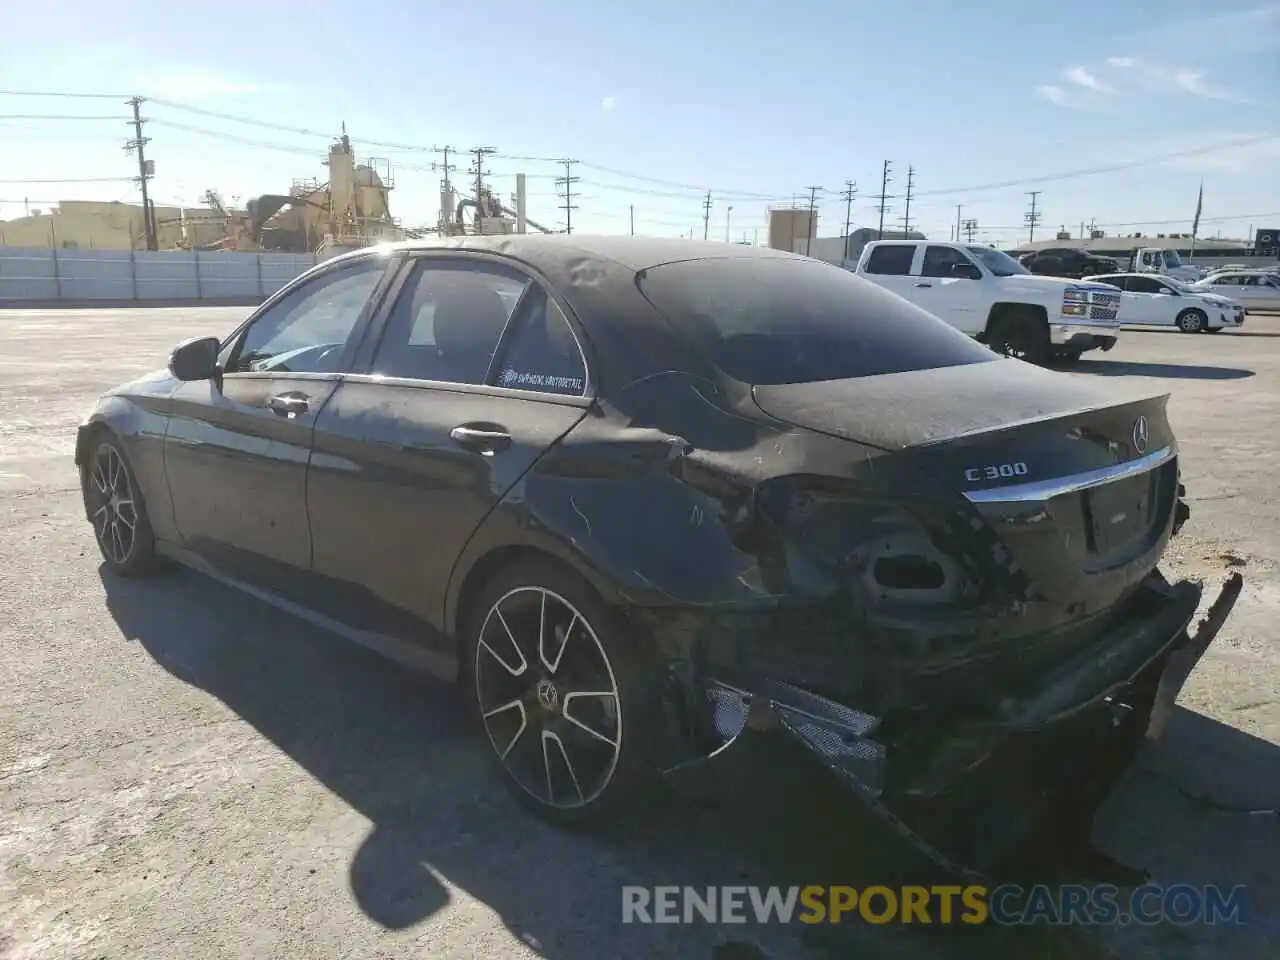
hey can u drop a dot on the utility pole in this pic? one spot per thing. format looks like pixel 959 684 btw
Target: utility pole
pixel 958 208
pixel 633 219
pixel 477 168
pixel 970 230
pixel 706 216
pixel 850 191
pixel 906 214
pixel 146 170
pixel 813 216
pixel 1032 216
pixel 445 168
pixel 728 215
pixel 884 185
pixel 567 182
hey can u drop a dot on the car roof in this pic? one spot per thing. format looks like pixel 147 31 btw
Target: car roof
pixel 633 253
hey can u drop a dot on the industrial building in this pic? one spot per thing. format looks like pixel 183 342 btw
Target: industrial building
pixel 1121 248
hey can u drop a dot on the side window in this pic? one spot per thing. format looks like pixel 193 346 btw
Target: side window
pixel 542 352
pixel 1248 281
pixel 307 331
pixel 891 260
pixel 1143 285
pixel 1226 281
pixel 447 321
pixel 938 261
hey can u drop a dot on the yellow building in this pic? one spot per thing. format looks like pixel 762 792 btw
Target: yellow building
pixel 95 225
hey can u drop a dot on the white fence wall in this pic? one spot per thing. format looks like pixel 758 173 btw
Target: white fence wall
pixel 35 275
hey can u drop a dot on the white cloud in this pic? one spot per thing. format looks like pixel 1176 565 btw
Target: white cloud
pixel 1053 95
pixel 192 84
pixel 1121 63
pixel 608 104
pixel 1193 82
pixel 1083 77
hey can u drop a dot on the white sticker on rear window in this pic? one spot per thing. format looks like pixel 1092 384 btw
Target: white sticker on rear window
pixel 522 379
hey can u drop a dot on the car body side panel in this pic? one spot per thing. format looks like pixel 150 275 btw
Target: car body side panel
pixel 137 413
pixel 393 499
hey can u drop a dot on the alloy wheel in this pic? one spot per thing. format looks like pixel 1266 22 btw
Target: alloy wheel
pixel 112 507
pixel 548 697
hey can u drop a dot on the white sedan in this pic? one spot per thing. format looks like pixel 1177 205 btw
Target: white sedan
pixel 1159 301
pixel 1252 289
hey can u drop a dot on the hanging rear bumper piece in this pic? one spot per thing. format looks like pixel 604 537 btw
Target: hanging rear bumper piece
pixel 970 800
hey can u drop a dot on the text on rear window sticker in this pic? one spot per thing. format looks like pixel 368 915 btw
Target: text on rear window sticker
pixel 521 378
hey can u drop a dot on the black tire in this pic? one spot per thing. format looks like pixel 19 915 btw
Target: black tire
pixel 1022 334
pixel 1192 320
pixel 572 775
pixel 112 498
pixel 1213 329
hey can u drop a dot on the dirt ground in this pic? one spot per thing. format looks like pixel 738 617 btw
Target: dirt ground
pixel 185 772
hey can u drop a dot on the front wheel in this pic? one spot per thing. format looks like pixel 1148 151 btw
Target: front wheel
pixel 1022 335
pixel 569 706
pixel 113 502
pixel 1192 321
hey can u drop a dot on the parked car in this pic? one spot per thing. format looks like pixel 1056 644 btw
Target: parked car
pixel 1165 302
pixel 676 485
pixel 991 297
pixel 1068 262
pixel 1252 289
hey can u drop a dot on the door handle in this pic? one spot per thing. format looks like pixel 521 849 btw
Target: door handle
pixel 924 284
pixel 289 404
pixel 477 438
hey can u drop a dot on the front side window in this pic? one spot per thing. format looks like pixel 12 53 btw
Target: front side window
pixel 541 352
pixel 938 261
pixel 307 331
pixel 1143 285
pixel 447 321
pixel 793 321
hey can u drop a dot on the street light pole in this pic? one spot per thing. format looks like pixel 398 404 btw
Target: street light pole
pixel 728 216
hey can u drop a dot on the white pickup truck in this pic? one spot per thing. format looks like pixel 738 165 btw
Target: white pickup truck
pixel 993 298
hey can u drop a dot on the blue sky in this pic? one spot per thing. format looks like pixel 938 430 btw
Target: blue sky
pixel 755 100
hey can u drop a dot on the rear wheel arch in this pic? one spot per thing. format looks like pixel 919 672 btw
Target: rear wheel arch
pixel 490 565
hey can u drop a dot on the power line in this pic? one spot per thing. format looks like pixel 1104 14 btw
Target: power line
pixel 477 169
pixel 58 93
pixel 1032 216
pixel 75 180
pixel 567 182
pixel 884 185
pixel 57 116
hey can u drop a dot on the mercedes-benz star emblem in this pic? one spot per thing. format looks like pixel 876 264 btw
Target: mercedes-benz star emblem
pixel 548 696
pixel 1140 435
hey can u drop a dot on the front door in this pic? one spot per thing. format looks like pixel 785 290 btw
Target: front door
pixel 237 448
pixel 1149 305
pixel 414 453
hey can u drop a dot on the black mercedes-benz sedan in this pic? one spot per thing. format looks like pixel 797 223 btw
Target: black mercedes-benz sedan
pixel 648 501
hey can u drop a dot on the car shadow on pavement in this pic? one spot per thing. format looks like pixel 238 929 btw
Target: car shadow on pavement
pixel 397 749
pixel 1172 371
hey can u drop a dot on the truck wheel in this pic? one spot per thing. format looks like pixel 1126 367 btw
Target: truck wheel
pixel 1192 321
pixel 1022 335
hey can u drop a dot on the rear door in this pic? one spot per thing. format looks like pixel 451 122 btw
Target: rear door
pixel 471 375
pixel 889 265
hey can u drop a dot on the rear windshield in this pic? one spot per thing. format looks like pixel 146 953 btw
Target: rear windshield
pixel 796 321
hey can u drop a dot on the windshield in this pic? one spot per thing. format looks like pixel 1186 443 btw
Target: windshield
pixel 765 321
pixel 1001 264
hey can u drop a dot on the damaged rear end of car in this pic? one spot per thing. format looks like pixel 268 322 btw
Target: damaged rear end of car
pixel 960 609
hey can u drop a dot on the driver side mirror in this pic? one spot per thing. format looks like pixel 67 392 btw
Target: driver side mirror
pixel 195 359
pixel 965 271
